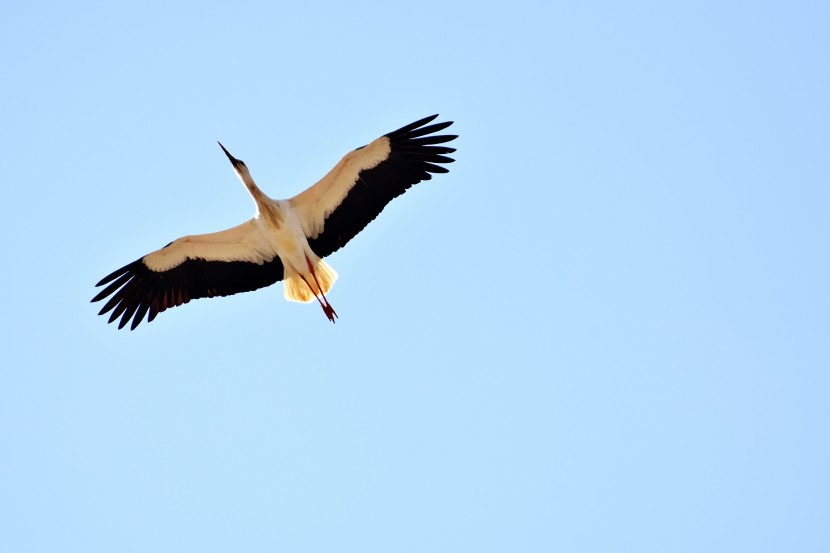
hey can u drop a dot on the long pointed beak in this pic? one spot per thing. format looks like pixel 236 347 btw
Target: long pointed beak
pixel 234 161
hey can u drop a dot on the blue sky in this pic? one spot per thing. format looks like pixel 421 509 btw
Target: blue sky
pixel 606 329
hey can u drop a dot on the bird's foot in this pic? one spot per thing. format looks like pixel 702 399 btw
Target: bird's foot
pixel 330 312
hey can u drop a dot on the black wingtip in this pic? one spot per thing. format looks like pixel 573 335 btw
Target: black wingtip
pixel 412 126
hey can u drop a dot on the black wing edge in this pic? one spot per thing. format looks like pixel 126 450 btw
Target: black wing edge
pixel 137 291
pixel 415 154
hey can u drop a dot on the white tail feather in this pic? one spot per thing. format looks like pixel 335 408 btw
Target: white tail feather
pixel 296 289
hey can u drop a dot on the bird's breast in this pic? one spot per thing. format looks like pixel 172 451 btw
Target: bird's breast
pixel 286 233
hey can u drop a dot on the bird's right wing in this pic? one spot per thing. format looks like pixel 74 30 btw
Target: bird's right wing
pixel 239 259
pixel 355 191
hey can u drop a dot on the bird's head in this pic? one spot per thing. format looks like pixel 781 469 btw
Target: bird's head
pixel 239 167
pixel 237 163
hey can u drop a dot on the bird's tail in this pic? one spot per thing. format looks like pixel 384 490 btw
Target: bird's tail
pixel 296 288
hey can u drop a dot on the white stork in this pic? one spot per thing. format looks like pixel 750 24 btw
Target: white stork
pixel 286 239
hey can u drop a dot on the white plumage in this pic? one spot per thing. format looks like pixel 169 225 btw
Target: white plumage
pixel 286 239
pixel 245 242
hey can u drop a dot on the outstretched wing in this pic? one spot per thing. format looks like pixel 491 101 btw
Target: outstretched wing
pixel 352 194
pixel 236 260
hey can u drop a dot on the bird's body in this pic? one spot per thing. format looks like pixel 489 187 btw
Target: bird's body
pixel 286 239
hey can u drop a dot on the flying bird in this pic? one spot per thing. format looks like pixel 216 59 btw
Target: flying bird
pixel 285 239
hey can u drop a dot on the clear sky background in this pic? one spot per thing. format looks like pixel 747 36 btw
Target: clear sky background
pixel 606 329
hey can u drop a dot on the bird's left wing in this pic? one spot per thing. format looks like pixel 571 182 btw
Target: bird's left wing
pixel 352 194
pixel 239 259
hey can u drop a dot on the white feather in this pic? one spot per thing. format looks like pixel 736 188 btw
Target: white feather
pixel 245 242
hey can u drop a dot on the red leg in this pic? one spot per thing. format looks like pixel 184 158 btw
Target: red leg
pixel 310 287
pixel 328 309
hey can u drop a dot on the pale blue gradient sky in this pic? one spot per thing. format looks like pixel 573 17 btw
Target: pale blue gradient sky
pixel 605 330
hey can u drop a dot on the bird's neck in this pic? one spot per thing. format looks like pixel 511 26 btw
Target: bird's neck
pixel 267 208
